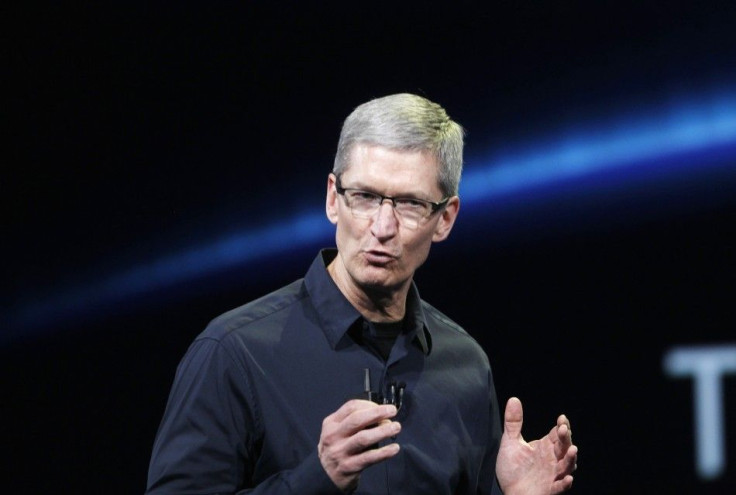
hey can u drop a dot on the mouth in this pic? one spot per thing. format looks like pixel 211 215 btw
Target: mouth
pixel 376 257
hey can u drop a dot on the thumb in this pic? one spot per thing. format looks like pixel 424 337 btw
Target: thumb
pixel 513 418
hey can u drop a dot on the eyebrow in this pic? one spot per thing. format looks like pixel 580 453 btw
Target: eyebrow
pixel 410 195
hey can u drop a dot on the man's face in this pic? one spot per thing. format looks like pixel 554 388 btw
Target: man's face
pixel 380 253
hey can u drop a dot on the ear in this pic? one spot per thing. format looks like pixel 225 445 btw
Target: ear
pixel 331 199
pixel 446 220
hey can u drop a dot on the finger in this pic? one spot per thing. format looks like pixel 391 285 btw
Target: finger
pixel 513 418
pixel 368 438
pixel 355 415
pixel 562 440
pixel 562 420
pixel 350 407
pixel 569 463
pixel 365 459
pixel 361 419
pixel 338 443
pixel 344 468
pixel 562 485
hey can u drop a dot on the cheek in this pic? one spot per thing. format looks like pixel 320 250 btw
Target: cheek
pixel 347 234
pixel 339 237
pixel 417 249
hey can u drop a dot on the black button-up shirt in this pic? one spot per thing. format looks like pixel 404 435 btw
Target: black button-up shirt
pixel 246 408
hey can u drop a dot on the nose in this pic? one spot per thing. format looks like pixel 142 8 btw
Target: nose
pixel 385 224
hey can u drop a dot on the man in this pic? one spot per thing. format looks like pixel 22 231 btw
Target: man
pixel 346 381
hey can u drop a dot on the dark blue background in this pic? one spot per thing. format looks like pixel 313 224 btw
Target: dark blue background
pixel 139 129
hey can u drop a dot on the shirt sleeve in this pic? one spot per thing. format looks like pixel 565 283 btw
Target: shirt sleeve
pixel 208 437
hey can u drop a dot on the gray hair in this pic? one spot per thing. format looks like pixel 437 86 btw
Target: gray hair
pixel 406 122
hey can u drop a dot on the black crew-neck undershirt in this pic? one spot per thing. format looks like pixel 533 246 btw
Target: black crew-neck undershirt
pixel 380 336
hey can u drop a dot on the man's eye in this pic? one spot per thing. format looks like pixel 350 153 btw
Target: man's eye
pixel 414 204
pixel 363 195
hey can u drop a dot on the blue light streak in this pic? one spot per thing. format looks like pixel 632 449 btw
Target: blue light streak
pixel 171 270
pixel 645 143
pixel 685 129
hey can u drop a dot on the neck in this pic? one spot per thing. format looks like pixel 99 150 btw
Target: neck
pixel 377 304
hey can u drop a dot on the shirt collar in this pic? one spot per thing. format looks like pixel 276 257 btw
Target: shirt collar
pixel 337 315
pixel 417 322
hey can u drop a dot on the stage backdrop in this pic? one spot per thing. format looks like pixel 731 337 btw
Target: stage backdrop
pixel 168 162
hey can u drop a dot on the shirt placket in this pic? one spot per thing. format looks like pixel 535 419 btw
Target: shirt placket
pixel 395 480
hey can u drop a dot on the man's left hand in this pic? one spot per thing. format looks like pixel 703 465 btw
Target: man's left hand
pixel 540 467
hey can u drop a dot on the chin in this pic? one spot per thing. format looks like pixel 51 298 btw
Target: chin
pixel 378 279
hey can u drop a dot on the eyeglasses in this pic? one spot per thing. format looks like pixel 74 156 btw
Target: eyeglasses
pixel 410 211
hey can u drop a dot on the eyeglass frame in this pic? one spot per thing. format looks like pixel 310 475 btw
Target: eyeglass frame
pixel 435 206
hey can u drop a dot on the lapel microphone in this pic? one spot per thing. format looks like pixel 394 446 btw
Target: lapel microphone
pixel 393 393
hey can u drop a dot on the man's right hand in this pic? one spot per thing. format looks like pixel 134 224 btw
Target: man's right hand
pixel 349 435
